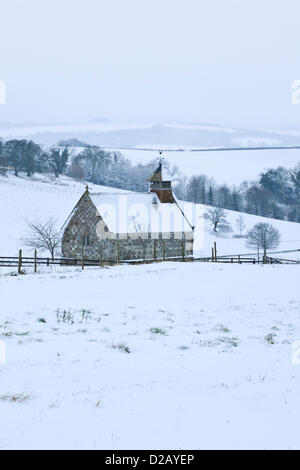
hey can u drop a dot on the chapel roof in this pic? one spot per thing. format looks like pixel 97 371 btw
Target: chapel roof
pixel 135 212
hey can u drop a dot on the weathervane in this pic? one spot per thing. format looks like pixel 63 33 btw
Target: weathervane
pixel 160 159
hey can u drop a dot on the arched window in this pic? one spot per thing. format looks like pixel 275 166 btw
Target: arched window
pixel 86 239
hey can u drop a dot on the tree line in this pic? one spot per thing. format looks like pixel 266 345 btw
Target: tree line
pixel 275 194
pixel 108 168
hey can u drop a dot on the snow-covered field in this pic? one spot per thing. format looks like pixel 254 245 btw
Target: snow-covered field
pixel 186 355
pixel 38 198
pixel 231 167
pixel 42 197
pixel 167 355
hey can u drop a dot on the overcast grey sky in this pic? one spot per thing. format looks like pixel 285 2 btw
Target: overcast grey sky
pixel 229 62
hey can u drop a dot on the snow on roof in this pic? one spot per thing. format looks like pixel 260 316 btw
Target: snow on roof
pixel 139 213
pixel 160 174
pixel 166 176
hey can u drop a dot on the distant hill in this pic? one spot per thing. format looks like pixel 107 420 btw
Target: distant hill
pixel 172 134
pixel 72 143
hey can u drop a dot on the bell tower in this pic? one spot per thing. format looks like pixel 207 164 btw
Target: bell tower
pixel 161 187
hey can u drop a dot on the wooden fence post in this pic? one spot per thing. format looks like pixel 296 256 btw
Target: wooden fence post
pixel 82 257
pixel 35 263
pixel 164 250
pixel 118 251
pixel 212 255
pixel 20 262
pixel 183 249
pixel 215 247
pixel 154 250
pixel 239 259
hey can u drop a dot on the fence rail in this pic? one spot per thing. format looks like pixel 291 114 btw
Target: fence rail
pixel 229 259
pixel 25 261
pixel 282 261
pixel 245 260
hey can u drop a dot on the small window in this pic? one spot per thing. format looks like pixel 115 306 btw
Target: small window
pixel 86 239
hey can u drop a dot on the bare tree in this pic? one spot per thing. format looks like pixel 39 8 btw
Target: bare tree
pixel 240 224
pixel 263 236
pixel 43 236
pixel 197 189
pixel 96 164
pixel 76 171
pixel 58 160
pixel 216 216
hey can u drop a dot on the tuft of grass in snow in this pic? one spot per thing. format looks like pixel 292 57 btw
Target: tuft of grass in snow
pixel 76 316
pixel 221 328
pixel 53 405
pixel 106 329
pixel 64 316
pixel 16 397
pixel 230 342
pixel 99 403
pixel 82 330
pixel 121 347
pixel 7 334
pixel 270 338
pixel 85 315
pixel 158 331
pixel 41 320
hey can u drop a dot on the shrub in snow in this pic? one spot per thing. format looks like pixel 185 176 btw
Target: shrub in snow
pixel 270 338
pixel 122 347
pixel 158 331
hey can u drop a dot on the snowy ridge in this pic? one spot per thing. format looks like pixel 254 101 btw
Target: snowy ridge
pixel 42 197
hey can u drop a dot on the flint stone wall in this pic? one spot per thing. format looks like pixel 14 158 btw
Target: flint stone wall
pixel 85 219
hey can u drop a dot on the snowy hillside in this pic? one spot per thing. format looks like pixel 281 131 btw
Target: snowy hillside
pixel 37 198
pixel 42 197
pixel 231 167
pixel 169 134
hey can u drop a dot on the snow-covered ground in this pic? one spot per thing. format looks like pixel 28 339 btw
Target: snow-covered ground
pixel 186 355
pixel 37 198
pixel 167 355
pixel 42 197
pixel 231 167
